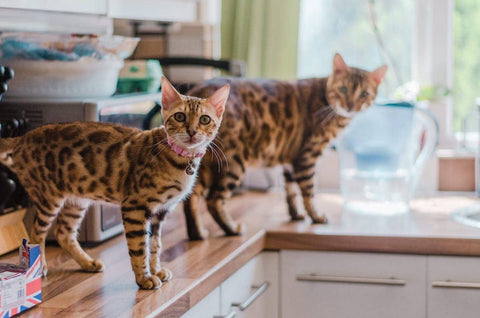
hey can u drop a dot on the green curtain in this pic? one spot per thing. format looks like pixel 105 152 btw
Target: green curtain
pixel 264 34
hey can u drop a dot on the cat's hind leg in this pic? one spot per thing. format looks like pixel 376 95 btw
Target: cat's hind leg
pixel 68 222
pixel 45 212
pixel 156 247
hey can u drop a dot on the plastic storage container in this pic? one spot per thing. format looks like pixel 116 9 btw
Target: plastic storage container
pixel 84 78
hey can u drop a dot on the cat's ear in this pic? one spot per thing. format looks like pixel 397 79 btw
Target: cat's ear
pixel 378 75
pixel 169 94
pixel 219 98
pixel 339 64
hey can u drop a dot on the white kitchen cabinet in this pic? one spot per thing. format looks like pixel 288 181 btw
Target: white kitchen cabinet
pixel 252 291
pixel 208 307
pixel 71 6
pixel 158 10
pixel 453 287
pixel 335 284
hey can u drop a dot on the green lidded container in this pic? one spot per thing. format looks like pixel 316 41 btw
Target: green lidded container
pixel 139 76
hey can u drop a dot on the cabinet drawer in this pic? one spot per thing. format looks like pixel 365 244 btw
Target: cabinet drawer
pixel 331 284
pixel 207 307
pixel 253 288
pixel 453 286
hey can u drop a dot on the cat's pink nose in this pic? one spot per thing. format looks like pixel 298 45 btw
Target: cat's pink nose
pixel 192 132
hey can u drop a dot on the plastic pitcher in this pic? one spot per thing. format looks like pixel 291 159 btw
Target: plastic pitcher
pixel 382 154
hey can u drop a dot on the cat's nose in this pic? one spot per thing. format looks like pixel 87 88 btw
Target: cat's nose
pixel 192 132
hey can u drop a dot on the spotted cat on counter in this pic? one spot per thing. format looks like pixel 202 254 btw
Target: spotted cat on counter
pixel 268 123
pixel 64 167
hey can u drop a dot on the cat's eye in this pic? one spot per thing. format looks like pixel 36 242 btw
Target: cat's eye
pixel 363 94
pixel 180 117
pixel 205 120
pixel 343 89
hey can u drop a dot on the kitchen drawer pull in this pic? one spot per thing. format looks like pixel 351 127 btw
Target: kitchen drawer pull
pixel 231 314
pixel 348 279
pixel 259 290
pixel 452 284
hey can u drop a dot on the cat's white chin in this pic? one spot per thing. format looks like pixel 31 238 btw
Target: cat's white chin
pixel 344 113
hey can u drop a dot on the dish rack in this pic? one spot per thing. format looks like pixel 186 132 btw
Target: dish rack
pixel 12 228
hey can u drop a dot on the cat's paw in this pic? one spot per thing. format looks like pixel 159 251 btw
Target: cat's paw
pixel 319 219
pixel 198 235
pixel 45 270
pixel 164 274
pixel 297 217
pixel 238 229
pixel 150 282
pixel 94 266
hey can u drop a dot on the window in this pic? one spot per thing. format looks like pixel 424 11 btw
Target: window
pixel 346 27
pixel 466 84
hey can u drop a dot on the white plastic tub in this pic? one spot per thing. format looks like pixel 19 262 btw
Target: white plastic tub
pixel 84 78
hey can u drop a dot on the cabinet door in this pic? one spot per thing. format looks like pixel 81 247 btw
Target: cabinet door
pixel 253 288
pixel 158 10
pixel 73 6
pixel 453 287
pixel 331 284
pixel 208 307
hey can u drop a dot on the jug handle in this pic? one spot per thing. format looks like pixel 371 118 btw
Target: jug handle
pixel 430 126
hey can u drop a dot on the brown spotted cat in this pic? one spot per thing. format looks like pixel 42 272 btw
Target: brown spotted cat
pixel 64 167
pixel 269 123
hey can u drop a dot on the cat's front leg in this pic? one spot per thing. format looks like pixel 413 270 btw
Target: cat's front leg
pixel 191 209
pixel 304 171
pixel 292 193
pixel 156 247
pixel 136 221
pixel 225 182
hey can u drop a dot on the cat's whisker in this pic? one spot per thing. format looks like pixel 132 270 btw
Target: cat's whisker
pixel 222 153
pixel 219 140
pixel 215 154
pixel 324 115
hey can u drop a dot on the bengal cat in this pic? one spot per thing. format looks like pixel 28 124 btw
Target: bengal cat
pixel 64 167
pixel 269 123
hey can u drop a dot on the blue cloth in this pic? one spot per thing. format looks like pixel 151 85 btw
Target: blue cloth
pixel 13 48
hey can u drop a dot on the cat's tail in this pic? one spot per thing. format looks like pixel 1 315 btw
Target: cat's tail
pixel 6 148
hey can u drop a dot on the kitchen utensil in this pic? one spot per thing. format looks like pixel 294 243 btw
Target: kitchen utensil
pixel 382 153
pixel 7 187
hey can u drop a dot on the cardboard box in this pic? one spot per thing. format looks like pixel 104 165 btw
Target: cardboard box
pixel 21 285
pixel 150 47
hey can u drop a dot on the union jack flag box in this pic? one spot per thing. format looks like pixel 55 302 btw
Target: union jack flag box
pixel 21 285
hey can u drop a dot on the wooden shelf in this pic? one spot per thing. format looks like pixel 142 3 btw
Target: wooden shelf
pixel 12 230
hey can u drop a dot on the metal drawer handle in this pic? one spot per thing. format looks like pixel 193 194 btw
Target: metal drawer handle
pixel 452 284
pixel 349 279
pixel 231 314
pixel 259 290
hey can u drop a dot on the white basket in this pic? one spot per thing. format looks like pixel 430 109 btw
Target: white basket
pixel 85 78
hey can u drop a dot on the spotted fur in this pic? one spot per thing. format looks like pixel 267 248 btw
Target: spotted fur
pixel 64 167
pixel 270 123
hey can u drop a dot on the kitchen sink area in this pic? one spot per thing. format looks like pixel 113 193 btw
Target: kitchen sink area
pixel 469 215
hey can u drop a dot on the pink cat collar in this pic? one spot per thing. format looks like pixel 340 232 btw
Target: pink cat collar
pixel 182 152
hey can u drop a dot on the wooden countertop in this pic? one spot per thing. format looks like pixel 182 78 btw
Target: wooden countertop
pixel 199 267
